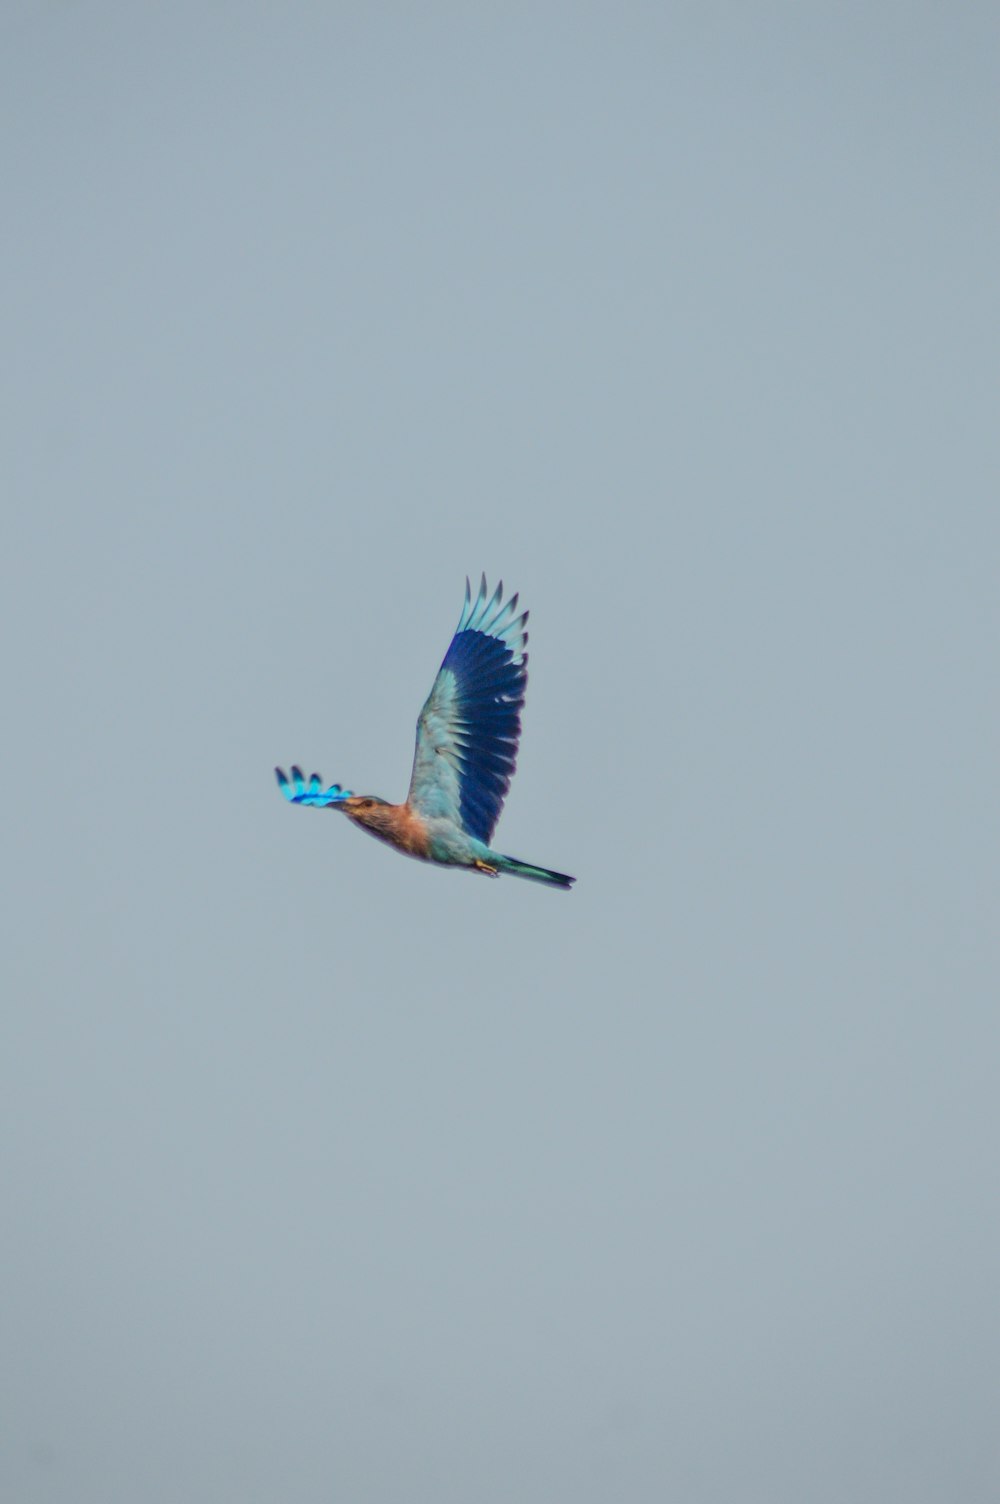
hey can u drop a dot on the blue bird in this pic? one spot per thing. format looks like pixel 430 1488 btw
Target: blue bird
pixel 466 753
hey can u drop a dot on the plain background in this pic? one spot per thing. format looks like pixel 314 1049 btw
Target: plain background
pixel 326 1176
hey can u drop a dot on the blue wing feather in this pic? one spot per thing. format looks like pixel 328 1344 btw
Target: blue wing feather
pixel 297 791
pixel 468 730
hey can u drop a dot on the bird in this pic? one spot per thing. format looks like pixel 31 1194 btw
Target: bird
pixel 466 752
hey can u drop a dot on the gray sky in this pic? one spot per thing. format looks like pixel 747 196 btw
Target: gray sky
pixel 330 1177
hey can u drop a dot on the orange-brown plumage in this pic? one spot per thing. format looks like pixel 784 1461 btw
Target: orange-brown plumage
pixel 397 824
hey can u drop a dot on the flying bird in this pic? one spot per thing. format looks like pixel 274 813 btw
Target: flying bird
pixel 466 753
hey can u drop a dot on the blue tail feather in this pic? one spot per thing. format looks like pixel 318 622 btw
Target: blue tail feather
pixel 534 874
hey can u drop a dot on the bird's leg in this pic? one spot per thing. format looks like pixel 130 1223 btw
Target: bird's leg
pixel 485 867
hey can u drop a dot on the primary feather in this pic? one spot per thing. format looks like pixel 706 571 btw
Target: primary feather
pixel 297 791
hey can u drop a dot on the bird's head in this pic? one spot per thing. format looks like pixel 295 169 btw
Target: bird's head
pixel 365 809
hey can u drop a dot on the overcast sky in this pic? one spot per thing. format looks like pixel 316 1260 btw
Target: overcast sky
pixel 330 1177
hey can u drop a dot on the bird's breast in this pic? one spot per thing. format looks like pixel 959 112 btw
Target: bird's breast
pixel 398 826
pixel 411 832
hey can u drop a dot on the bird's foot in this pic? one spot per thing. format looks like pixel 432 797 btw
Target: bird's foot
pixel 485 867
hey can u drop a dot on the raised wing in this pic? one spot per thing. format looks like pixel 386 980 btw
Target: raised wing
pixel 468 730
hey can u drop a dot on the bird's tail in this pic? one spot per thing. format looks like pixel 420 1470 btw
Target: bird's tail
pixel 535 874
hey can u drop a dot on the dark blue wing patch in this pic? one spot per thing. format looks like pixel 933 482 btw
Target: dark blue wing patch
pixel 486 716
pixel 468 729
